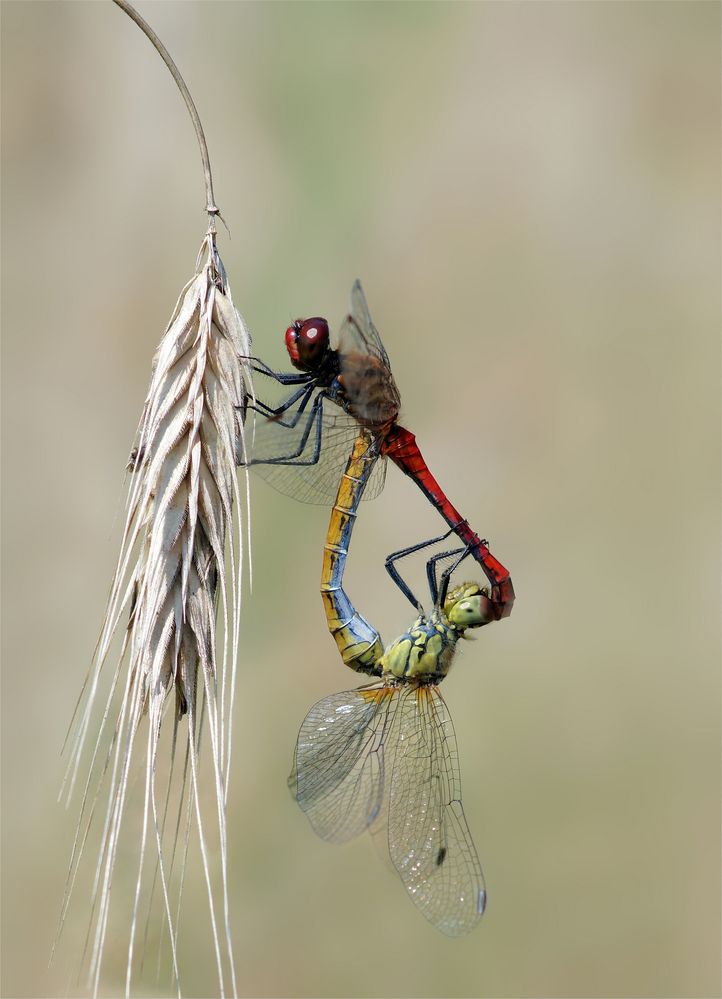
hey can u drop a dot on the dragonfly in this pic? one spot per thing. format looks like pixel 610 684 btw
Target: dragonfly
pixel 384 756
pixel 302 444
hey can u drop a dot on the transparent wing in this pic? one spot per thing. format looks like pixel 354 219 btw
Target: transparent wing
pixel 313 443
pixel 429 840
pixel 338 777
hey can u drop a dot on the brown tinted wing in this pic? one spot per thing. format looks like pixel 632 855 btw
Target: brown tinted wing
pixel 365 331
pixel 367 378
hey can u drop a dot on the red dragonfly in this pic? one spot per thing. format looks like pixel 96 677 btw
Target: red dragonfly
pixel 302 446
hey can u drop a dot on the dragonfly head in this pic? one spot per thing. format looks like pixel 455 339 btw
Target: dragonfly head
pixel 467 606
pixel 307 341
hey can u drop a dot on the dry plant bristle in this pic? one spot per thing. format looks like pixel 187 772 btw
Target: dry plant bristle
pixel 181 556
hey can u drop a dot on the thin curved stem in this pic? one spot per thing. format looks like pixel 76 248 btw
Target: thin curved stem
pixel 162 51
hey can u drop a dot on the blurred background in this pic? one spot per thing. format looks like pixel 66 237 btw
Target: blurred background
pixel 530 194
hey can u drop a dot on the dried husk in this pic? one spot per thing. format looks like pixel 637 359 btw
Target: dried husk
pixel 181 556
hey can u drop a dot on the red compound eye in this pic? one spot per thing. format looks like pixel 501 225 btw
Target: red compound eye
pixel 291 343
pixel 307 342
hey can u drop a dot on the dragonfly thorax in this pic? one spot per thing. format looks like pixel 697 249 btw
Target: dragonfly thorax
pixel 425 652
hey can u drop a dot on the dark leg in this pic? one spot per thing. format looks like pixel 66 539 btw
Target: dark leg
pixel 314 417
pixel 282 377
pixel 402 553
pixel 274 412
pixel 439 591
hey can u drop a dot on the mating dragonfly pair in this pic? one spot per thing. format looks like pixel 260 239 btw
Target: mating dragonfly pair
pixel 381 757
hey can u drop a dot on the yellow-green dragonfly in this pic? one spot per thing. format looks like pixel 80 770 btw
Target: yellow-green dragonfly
pixel 384 757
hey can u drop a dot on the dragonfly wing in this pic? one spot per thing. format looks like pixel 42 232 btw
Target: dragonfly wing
pixel 377 480
pixel 364 330
pixel 429 839
pixel 294 438
pixel 367 378
pixel 338 777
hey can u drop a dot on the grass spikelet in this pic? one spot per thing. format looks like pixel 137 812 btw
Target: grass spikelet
pixel 180 561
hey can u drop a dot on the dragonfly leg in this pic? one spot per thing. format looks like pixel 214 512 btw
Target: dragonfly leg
pixel 402 553
pixel 282 377
pixel 294 457
pixel 274 413
pixel 440 588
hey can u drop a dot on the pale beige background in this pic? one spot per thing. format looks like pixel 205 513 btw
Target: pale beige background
pixel 530 193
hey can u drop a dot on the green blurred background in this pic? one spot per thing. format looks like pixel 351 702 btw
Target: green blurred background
pixel 530 194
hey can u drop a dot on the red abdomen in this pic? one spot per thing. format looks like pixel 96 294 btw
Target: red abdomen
pixel 400 446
